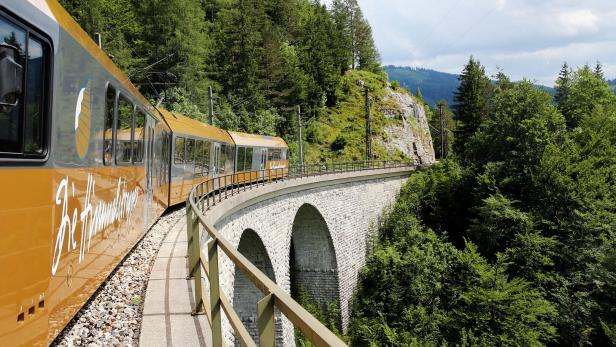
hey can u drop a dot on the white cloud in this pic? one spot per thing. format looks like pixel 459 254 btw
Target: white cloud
pixel 527 38
pixel 575 22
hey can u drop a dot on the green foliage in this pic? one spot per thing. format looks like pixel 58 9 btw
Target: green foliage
pixel 442 295
pixel 338 133
pixel 262 58
pixel 470 103
pixel 448 129
pixel 586 91
pixel 537 195
pixel 326 313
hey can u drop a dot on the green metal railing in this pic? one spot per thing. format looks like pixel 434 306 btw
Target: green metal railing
pixel 215 190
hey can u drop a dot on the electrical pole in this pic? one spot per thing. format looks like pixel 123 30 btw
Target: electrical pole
pixel 211 100
pixel 368 125
pixel 440 109
pixel 299 136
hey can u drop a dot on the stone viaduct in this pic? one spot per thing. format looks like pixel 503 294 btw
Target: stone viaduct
pixel 309 233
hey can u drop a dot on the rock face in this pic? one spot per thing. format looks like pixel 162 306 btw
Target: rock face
pixel 411 136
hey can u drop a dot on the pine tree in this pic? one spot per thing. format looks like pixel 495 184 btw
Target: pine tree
pixel 350 21
pixel 419 95
pixel 502 81
pixel 599 71
pixel 563 86
pixel 470 103
pixel 586 92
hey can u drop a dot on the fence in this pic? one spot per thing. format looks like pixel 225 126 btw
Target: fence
pixel 213 191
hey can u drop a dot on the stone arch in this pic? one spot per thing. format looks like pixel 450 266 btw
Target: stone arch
pixel 245 294
pixel 313 263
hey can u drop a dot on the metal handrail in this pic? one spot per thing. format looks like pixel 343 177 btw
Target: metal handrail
pixel 205 195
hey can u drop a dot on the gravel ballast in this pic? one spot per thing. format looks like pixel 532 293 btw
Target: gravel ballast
pixel 113 315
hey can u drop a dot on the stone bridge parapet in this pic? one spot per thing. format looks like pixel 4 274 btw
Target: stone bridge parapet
pixel 308 233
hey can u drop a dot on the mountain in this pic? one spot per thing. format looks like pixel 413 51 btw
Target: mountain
pixel 434 85
pixel 612 84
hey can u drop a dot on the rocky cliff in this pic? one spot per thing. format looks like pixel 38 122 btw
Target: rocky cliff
pixel 399 124
pixel 409 133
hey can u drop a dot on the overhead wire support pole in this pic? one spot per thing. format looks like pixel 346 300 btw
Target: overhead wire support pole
pixel 368 125
pixel 299 136
pixel 211 103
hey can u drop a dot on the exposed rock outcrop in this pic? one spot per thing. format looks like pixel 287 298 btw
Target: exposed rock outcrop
pixel 409 132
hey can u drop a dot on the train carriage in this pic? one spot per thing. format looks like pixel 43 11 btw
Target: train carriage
pixel 199 152
pixel 259 157
pixel 87 165
pixel 82 169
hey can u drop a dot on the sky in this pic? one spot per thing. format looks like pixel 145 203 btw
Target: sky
pixel 525 38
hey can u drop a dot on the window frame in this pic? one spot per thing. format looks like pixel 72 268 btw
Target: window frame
pixel 116 123
pixel 175 149
pixel 108 86
pixel 240 159
pixel 48 48
pixel 138 110
pixel 207 151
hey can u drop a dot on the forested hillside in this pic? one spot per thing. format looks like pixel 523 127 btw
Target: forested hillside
pixel 510 241
pixel 434 85
pixel 262 57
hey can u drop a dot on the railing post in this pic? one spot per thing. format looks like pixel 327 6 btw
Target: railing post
pixel 219 194
pixel 189 237
pixel 265 318
pixel 196 270
pixel 215 313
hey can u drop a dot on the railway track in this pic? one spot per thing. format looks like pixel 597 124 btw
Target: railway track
pixel 112 317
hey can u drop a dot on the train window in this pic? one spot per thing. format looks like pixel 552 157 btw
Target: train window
pixel 206 158
pixel 124 133
pixel 33 135
pixel 241 158
pixel 248 164
pixel 164 164
pixel 139 136
pixel 274 154
pixel 230 158
pixel 190 151
pixel 24 77
pixel 198 157
pixel 108 135
pixel 179 151
pixel 222 160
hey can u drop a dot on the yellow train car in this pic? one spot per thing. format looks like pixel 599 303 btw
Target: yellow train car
pixel 199 152
pixel 259 157
pixel 83 169
pixel 87 165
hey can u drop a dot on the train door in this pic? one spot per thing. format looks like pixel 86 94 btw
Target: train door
pixel 263 161
pixel 149 167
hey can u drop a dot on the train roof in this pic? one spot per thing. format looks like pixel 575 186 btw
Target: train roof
pixel 252 140
pixel 183 125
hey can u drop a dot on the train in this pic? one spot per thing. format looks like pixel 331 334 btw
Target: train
pixel 87 166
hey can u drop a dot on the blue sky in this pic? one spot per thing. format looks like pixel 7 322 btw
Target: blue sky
pixel 525 38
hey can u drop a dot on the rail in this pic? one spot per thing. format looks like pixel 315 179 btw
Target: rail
pixel 212 191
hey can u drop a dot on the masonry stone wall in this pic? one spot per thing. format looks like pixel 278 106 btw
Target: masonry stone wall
pixel 313 258
pixel 348 211
pixel 245 293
